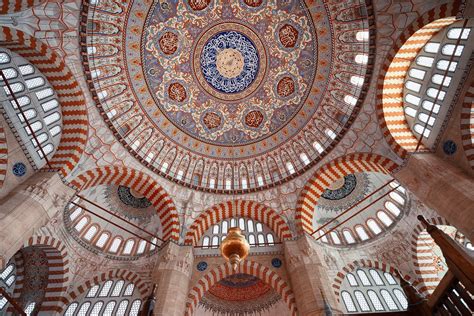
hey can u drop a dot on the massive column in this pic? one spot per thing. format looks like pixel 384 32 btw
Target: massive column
pixel 172 275
pixel 443 187
pixel 28 207
pixel 309 278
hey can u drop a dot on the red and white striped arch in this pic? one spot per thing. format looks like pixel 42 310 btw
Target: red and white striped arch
pixel 115 274
pixel 70 96
pixel 141 183
pixel 423 258
pixel 362 263
pixel 3 156
pixel 11 6
pixel 249 209
pixel 467 125
pixel 264 273
pixel 58 270
pixel 327 174
pixel 390 86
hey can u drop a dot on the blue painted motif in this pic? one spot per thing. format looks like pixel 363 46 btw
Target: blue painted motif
pixel 19 169
pixel 350 183
pixel 232 40
pixel 276 262
pixel 449 147
pixel 201 266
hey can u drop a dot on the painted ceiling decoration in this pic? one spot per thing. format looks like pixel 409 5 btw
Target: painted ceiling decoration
pixel 345 192
pixel 227 95
pixel 227 296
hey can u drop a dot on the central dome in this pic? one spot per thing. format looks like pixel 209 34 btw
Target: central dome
pixel 227 95
pixel 225 76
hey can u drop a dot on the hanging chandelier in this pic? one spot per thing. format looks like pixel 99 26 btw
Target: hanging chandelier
pixel 234 248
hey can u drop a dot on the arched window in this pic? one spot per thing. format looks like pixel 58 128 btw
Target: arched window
pixel 383 217
pixel 115 244
pixel 104 237
pixel 109 298
pixel 90 233
pixel 348 302
pixel 361 232
pixel 395 210
pixel 39 113
pixel 351 279
pixel 376 277
pixel 363 278
pixel 448 50
pixel 7 279
pixel 374 227
pixel 254 231
pixel 335 238
pixel 81 224
pixel 388 300
pixel 348 236
pixel 375 301
pixel 360 298
pixel 401 298
pixel 373 292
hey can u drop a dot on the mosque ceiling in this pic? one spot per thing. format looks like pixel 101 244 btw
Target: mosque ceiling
pixel 207 93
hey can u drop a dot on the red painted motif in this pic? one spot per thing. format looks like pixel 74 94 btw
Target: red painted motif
pixel 253 3
pixel 177 92
pixel 168 43
pixel 285 87
pixel 288 35
pixel 211 120
pixel 254 119
pixel 198 5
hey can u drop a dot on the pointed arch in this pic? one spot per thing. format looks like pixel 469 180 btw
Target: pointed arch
pixel 422 258
pixel 73 105
pixel 390 111
pixel 229 209
pixel 363 263
pixel 324 176
pixel 58 272
pixel 3 155
pixel 265 274
pixel 467 125
pixel 141 183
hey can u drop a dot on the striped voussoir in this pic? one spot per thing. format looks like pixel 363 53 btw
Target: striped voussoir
pixel 390 87
pixel 58 272
pixel 248 267
pixel 249 209
pixel 327 174
pixel 3 156
pixel 115 274
pixel 70 96
pixel 467 125
pixel 423 257
pixel 141 183
pixel 362 263
pixel 11 6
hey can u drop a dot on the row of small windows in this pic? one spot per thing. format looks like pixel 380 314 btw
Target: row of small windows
pixel 260 181
pixel 374 226
pixel 254 232
pixel 369 290
pixel 103 239
pixel 376 303
pixel 111 308
pixel 46 125
pixel 7 278
pixel 107 300
pixel 426 115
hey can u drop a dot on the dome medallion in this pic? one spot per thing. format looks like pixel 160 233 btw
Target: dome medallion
pixel 203 91
pixel 211 69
